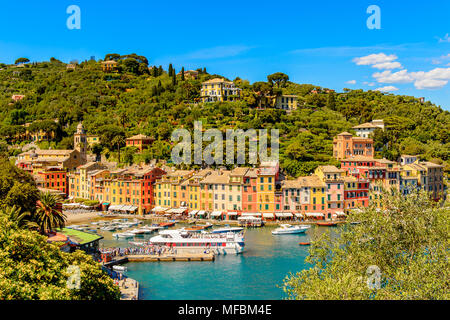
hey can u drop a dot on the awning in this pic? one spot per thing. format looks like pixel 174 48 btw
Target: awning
pixel 314 214
pixel 159 209
pixel 268 215
pixel 232 213
pixel 192 213
pixel 299 215
pixel 287 214
pixel 216 213
pixel 115 207
pixel 340 213
pixel 201 213
pixel 279 214
pixel 176 210
pixel 254 214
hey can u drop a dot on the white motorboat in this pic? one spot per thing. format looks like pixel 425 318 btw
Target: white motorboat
pixel 227 229
pixel 137 231
pixel 119 268
pixel 288 229
pixel 181 239
pixel 123 235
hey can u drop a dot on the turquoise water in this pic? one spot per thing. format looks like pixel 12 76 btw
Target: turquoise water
pixel 258 273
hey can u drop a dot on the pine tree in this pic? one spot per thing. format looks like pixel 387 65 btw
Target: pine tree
pixel 170 71
pixel 174 78
pixel 182 73
pixel 160 71
pixel 204 71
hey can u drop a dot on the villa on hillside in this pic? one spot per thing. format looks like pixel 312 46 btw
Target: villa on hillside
pixel 218 89
pixel 345 145
pixel 365 129
pixel 139 141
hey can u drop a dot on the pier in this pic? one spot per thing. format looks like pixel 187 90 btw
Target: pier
pixel 164 257
pixel 129 289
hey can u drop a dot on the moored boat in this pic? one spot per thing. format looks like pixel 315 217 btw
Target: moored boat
pixel 166 224
pixel 327 224
pixel 227 229
pixel 181 239
pixel 288 229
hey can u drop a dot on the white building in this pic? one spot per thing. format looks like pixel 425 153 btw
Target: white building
pixel 365 129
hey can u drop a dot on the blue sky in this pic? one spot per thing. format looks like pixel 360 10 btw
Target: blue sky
pixel 325 43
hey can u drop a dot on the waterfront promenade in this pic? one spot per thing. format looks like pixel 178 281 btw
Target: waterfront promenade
pixel 129 289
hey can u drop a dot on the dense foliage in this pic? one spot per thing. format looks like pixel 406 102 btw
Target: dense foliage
pixel 31 268
pixel 408 243
pixel 137 99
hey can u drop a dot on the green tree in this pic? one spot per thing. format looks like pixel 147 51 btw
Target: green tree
pixel 407 241
pixel 278 78
pixel 22 60
pixel 32 269
pixel 118 141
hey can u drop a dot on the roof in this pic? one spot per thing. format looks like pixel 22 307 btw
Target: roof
pixel 307 181
pixel 329 168
pixel 359 158
pixel 365 125
pixel 139 137
pixel 80 237
pixel 239 171
pixel 386 161
pixel 217 80
pixel 345 133
pixel 428 164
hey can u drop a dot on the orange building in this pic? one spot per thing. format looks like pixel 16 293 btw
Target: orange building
pixel 345 145
pixel 140 141
pixel 53 178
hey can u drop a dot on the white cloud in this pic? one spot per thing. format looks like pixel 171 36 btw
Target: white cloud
pixel 430 84
pixel 397 77
pixel 388 65
pixel 374 59
pixel 387 89
pixel 441 59
pixel 433 79
pixel 445 39
pixel 351 82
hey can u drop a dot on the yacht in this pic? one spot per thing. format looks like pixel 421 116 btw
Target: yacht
pixel 180 239
pixel 288 229
pixel 227 229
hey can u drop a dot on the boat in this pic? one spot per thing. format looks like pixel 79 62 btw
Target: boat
pixel 304 243
pixel 107 228
pixel 138 243
pixel 327 224
pixel 181 239
pixel 166 224
pixel 123 235
pixel 119 268
pixel 227 229
pixel 137 231
pixel 288 229
pixel 194 229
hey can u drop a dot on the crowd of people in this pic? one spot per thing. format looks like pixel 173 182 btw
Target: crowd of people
pixel 145 250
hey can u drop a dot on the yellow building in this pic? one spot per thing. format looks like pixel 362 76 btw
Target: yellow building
pixel 92 139
pixel 168 190
pixel 287 102
pixel 218 89
pixel 265 188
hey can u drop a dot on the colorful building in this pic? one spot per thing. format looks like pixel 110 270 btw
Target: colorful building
pixel 345 145
pixel 139 141
pixel 219 89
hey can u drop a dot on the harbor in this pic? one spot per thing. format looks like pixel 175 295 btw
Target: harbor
pixel 189 272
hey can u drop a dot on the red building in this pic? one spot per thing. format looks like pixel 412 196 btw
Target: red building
pixel 54 179
pixel 356 192
pixel 139 141
pixel 249 200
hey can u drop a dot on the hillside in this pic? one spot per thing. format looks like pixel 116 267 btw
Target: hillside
pixel 138 100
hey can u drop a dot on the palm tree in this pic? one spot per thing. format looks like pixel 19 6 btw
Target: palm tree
pixel 48 216
pixel 22 219
pixel 118 141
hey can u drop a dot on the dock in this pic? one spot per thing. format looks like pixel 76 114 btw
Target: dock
pixel 164 257
pixel 129 289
